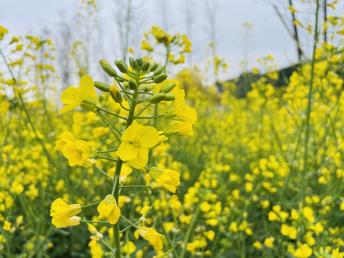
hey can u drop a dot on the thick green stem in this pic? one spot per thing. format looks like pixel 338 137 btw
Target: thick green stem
pixel 117 175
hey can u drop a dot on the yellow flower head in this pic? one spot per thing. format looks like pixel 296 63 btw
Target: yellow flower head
pixel 269 242
pixel 63 214
pixel 109 210
pixel 64 138
pixel 290 232
pixel 166 178
pixel 136 141
pixel 77 152
pixel 186 116
pixel 72 97
pixel 152 236
pixel 3 32
pixel 303 251
pixel 95 249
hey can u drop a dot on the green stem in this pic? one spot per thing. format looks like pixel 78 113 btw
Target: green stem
pixel 190 231
pixel 117 175
pixel 310 90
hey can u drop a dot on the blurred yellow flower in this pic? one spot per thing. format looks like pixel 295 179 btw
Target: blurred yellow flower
pixel 72 97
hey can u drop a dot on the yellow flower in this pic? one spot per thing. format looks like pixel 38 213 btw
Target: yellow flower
pixel 77 152
pixel 95 249
pixel 136 140
pixel 290 232
pixel 109 210
pixel 63 214
pixel 64 138
pixel 166 178
pixel 308 214
pixel 3 32
pixel 269 242
pixel 186 116
pixel 145 45
pixel 303 251
pixel 257 245
pixel 72 97
pixel 152 236
pixel 129 248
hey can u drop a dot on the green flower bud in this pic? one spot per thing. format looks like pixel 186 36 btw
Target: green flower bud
pixel 145 67
pixel 121 66
pixel 168 87
pixel 153 67
pixel 115 94
pixel 132 85
pixel 160 97
pixel 131 61
pixel 102 86
pixel 140 62
pixel 159 70
pixel 160 78
pixel 107 68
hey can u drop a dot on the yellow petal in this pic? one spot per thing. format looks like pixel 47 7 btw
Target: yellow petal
pixel 126 151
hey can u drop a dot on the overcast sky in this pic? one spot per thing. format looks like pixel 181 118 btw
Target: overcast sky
pixel 267 36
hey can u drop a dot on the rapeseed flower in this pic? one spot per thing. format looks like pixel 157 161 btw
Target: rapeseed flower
pixel 63 214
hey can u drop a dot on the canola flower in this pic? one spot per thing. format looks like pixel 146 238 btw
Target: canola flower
pixel 136 141
pixel 238 186
pixel 63 214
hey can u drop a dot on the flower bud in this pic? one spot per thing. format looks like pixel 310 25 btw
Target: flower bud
pixel 159 70
pixel 115 94
pixel 131 61
pixel 160 97
pixel 167 88
pixel 160 78
pixel 121 66
pixel 153 67
pixel 102 86
pixel 107 68
pixel 132 85
pixel 145 67
pixel 140 62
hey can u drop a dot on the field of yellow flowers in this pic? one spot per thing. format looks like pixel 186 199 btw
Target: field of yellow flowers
pixel 149 165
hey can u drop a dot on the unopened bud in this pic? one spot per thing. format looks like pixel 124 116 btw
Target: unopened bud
pixel 102 86
pixel 107 68
pixel 115 94
pixel 131 61
pixel 132 85
pixel 160 78
pixel 153 67
pixel 159 70
pixel 145 67
pixel 167 88
pixel 160 97
pixel 121 66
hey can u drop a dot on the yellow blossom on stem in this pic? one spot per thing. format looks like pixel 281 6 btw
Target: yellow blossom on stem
pixel 77 152
pixel 152 236
pixel 73 97
pixel 166 178
pixel 136 141
pixel 109 210
pixel 95 249
pixel 63 214
pixel 303 251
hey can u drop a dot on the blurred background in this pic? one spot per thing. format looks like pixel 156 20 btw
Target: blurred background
pixel 239 31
